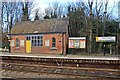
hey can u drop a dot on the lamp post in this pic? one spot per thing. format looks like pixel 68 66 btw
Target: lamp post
pixel 117 31
pixel 0 25
pixel 117 39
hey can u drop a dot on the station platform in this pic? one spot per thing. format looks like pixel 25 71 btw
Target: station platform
pixel 68 56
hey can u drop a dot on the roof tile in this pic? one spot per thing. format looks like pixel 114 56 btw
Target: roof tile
pixel 48 25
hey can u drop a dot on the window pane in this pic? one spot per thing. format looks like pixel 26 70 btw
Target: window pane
pixel 32 43
pixel 38 37
pixel 41 44
pixel 53 42
pixel 41 37
pixel 32 37
pixel 35 43
pixel 35 37
pixel 38 42
pixel 53 45
pixel 17 42
pixel 53 39
pixel 27 38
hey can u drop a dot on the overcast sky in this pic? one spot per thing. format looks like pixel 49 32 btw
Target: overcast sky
pixel 42 4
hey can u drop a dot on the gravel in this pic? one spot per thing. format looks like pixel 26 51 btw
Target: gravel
pixel 30 75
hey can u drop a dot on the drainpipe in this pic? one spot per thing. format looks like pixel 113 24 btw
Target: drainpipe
pixel 62 43
pixel 9 40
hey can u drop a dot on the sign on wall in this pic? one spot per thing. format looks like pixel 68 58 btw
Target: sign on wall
pixel 77 42
pixel 105 39
pixel 71 44
pixel 82 44
pixel 21 42
pixel 47 43
pixel 12 43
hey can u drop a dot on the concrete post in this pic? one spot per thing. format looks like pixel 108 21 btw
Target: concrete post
pixel 110 49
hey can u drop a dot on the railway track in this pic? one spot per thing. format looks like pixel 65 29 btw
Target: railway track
pixel 59 67
pixel 85 63
pixel 91 72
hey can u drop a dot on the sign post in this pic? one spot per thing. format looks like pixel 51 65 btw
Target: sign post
pixel 110 49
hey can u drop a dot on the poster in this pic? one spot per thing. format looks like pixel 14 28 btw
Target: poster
pixel 82 43
pixel 71 44
pixel 21 42
pixel 76 43
pixel 12 43
pixel 47 43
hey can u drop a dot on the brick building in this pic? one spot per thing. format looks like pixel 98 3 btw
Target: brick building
pixel 40 36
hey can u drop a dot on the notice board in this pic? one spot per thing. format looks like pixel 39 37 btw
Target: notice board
pixel 77 42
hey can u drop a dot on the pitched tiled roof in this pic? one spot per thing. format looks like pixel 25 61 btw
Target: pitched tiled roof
pixel 39 26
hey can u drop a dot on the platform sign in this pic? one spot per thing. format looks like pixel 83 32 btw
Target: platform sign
pixel 77 42
pixel 28 46
pixel 105 39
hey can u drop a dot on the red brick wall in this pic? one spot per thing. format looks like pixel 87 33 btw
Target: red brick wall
pixel 61 41
pixel 59 44
pixel 66 42
pixel 20 48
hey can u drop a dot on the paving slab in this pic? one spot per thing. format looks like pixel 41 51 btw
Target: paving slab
pixel 61 56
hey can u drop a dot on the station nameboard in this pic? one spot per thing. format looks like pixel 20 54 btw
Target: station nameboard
pixel 105 39
pixel 77 42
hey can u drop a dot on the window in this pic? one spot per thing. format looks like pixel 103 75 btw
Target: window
pixel 28 37
pixel 53 42
pixel 36 40
pixel 17 42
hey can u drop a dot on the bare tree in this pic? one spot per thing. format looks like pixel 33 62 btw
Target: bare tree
pixel 60 11
pixel 36 15
pixel 2 6
pixel 55 9
pixel 26 9
pixel 98 10
pixel 48 11
pixel 1 20
pixel 105 16
pixel 10 13
pixel 90 2
pixel 25 15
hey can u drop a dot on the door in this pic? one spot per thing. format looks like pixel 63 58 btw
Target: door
pixel 28 46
